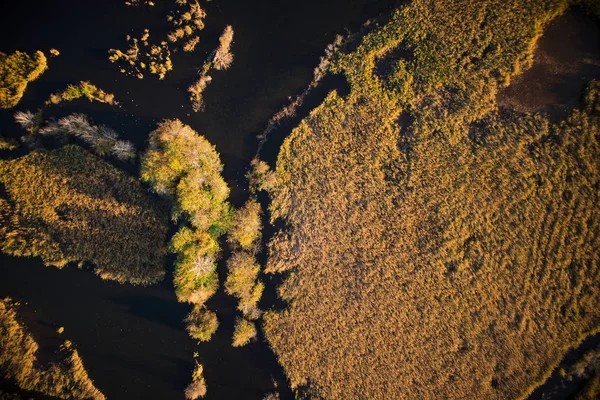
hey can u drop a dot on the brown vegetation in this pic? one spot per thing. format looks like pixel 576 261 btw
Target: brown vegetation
pixel 437 247
pixel 143 57
pixel 66 379
pixel 68 205
pixel 16 71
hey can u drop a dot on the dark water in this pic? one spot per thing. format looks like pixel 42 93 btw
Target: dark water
pixel 132 339
pixel 567 57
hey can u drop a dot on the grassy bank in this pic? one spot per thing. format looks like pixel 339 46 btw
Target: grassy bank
pixel 65 379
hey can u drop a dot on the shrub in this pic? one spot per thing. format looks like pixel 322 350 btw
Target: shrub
pixel 201 323
pixel 246 226
pixel 223 58
pixel 82 89
pixel 16 71
pixel 197 388
pixel 244 332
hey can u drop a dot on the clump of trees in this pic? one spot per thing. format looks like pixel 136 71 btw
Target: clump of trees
pixel 244 332
pixel 102 139
pixel 16 71
pixel 246 226
pixel 185 167
pixel 82 89
pixel 220 59
pixel 187 20
pixel 243 268
pixel 196 389
pixel 65 378
pixel 67 205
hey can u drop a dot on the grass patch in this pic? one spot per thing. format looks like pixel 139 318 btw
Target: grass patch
pixel 16 71
pixel 451 252
pixel 68 205
pixel 65 379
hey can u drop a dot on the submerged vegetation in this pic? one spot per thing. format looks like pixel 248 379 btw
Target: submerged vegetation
pixel 67 205
pixel 82 89
pixel 185 167
pixel 16 71
pixel 65 378
pixel 437 246
pixel 220 59
pixel 143 56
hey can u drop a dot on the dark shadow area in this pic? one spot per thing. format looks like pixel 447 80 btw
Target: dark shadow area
pixel 385 65
pixel 558 388
pixel 566 59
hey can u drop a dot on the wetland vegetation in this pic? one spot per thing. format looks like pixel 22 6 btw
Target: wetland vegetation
pixel 429 228
pixel 64 378
pixel 62 204
pixel 436 243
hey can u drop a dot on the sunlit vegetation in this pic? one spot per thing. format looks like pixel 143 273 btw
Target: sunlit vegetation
pixel 16 71
pixel 246 226
pixel 82 89
pixel 437 246
pixel 196 389
pixel 67 205
pixel 31 122
pixel 242 267
pixel 260 176
pixel 65 378
pixel 220 59
pixel 101 139
pixel 185 167
pixel 8 143
pixel 201 323
pixel 137 3
pixel 244 332
pixel 54 52
pixel 142 57
pixel 242 273
pixel 145 57
pixel 187 20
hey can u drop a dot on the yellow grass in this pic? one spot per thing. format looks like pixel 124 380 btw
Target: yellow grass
pixel 68 205
pixel 16 71
pixel 454 256
pixel 66 379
